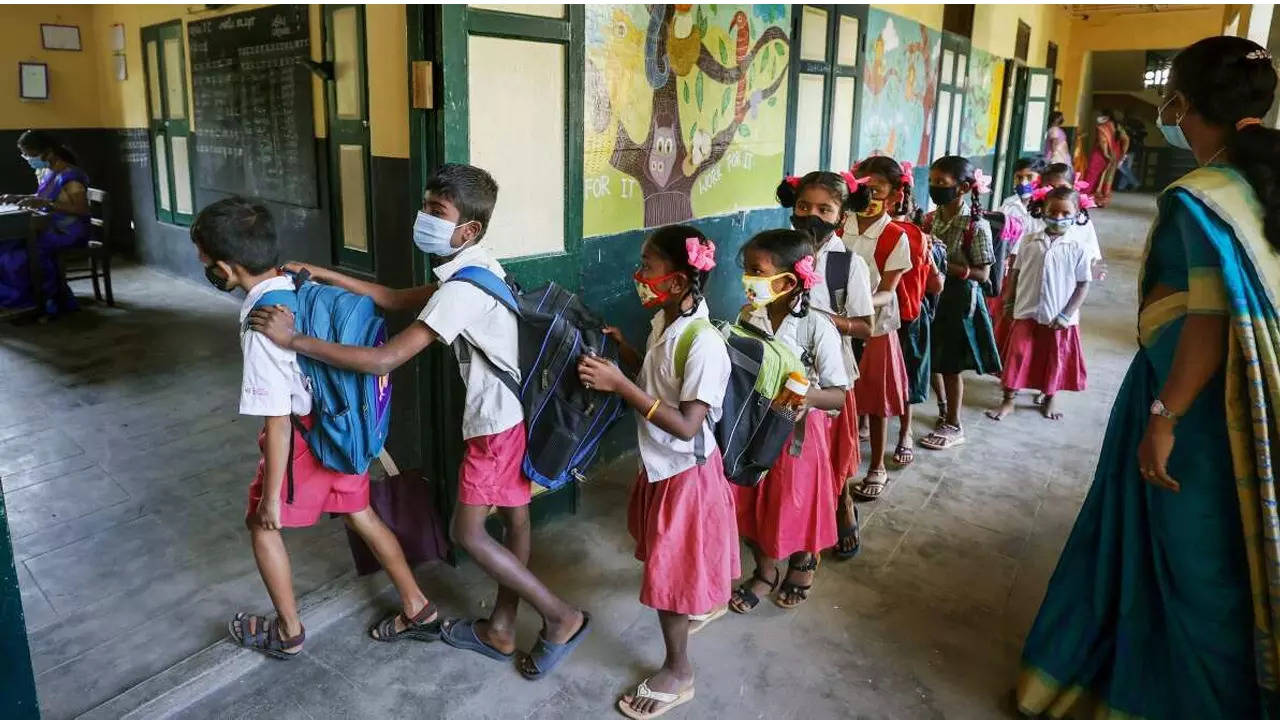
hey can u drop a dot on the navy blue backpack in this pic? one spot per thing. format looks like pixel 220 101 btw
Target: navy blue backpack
pixel 563 420
pixel 351 409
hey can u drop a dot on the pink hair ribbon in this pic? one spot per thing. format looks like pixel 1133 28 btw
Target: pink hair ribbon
pixel 1040 192
pixel 1082 185
pixel 1012 229
pixel 907 169
pixel 792 180
pixel 701 257
pixel 1087 201
pixel 808 276
pixel 982 182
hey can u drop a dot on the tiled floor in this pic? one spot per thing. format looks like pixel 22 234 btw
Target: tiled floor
pixel 133 413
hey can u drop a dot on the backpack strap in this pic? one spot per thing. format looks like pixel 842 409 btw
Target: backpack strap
pixel 287 298
pixel 498 289
pixel 683 345
pixel 836 272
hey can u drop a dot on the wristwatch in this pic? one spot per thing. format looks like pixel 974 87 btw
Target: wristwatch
pixel 1158 408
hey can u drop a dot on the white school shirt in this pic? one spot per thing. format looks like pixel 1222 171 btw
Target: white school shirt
pixel 462 313
pixel 887 319
pixel 1087 236
pixel 1047 275
pixel 272 383
pixel 706 373
pixel 814 339
pixel 857 295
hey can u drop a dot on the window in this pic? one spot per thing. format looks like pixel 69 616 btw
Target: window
pixel 516 81
pixel 952 80
pixel 824 103
pixel 1157 70
pixel 1022 44
pixel 347 106
pixel 168 123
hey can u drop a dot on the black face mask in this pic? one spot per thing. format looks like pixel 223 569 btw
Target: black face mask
pixel 216 278
pixel 943 195
pixel 814 225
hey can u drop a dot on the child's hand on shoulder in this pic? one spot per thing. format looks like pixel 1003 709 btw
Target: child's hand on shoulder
pixel 268 513
pixel 276 322
pixel 596 373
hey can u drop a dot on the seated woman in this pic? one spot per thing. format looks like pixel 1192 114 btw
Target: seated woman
pixel 61 193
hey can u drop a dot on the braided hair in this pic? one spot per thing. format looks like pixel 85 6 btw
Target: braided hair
pixel 1231 82
pixel 1062 192
pixel 669 241
pixel 787 247
pixel 790 190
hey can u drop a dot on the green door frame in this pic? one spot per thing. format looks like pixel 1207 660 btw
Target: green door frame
pixel 347 131
pixel 959 46
pixel 1022 99
pixel 166 126
pixel 830 69
pixel 18 699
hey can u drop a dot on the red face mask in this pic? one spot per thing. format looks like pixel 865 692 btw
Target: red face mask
pixel 647 288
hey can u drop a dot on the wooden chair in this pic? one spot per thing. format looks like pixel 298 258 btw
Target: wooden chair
pixel 97 254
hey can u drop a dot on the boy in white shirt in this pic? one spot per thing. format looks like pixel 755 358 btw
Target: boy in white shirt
pixel 236 242
pixel 455 214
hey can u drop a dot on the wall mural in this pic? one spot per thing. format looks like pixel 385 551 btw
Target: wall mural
pixel 982 104
pixel 686 112
pixel 900 88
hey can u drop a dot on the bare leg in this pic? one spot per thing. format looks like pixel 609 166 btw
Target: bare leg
pixel 904 427
pixel 764 563
pixel 1049 409
pixel 386 548
pixel 519 542
pixel 878 426
pixel 562 620
pixel 273 566
pixel 954 385
pixel 935 382
pixel 677 672
pixel 1006 406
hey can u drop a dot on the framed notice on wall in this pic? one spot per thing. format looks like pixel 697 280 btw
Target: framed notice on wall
pixel 59 37
pixel 33 81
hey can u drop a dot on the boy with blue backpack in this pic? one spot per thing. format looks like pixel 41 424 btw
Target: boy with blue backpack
pixel 469 314
pixel 237 245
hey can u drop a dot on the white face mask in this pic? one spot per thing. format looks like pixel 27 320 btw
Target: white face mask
pixel 434 236
pixel 1102 119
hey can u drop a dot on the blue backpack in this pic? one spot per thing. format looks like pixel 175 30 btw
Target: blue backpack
pixel 351 409
pixel 563 420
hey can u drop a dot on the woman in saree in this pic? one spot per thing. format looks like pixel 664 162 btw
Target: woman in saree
pixel 1056 149
pixel 1101 172
pixel 1165 598
pixel 61 194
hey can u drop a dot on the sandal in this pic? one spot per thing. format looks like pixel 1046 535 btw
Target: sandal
pixel 461 634
pixel 795 590
pixel 747 600
pixel 944 438
pixel 853 531
pixel 669 701
pixel 424 626
pixel 699 622
pixel 267 637
pixel 547 656
pixel 904 455
pixel 873 486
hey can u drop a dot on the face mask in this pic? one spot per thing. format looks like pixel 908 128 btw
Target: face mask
pixel 647 288
pixel 817 227
pixel 1058 226
pixel 760 289
pixel 943 195
pixel 37 163
pixel 216 278
pixel 1102 119
pixel 433 235
pixel 874 208
pixel 1173 133
pixel 1024 189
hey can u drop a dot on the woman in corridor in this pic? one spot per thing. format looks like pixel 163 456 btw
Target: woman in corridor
pixel 1056 149
pixel 1103 160
pixel 1164 598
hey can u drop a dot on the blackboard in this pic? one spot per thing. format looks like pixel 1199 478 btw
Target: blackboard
pixel 254 127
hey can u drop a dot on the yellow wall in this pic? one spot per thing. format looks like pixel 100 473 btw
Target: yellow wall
pixel 927 15
pixel 86 94
pixel 73 88
pixel 995 29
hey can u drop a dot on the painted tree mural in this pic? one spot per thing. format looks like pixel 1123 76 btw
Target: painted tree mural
pixel 674 97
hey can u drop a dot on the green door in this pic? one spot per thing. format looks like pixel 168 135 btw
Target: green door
pixel 168 122
pixel 347 105
pixel 1028 120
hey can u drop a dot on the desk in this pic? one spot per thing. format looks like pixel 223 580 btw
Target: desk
pixel 16 222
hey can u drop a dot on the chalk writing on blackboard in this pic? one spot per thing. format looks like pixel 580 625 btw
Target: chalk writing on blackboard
pixel 255 131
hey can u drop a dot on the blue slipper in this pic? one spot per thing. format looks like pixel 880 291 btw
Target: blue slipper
pixel 546 656
pixel 461 633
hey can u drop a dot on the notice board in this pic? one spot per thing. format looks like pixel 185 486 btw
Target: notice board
pixel 254 126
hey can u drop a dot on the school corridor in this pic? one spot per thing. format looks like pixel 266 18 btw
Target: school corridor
pixel 124 470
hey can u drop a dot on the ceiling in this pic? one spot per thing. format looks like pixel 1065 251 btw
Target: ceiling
pixel 1084 11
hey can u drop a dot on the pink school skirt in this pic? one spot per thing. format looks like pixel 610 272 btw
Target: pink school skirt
pixel 490 474
pixel 1038 357
pixel 846 446
pixel 791 510
pixel 995 306
pixel 882 378
pixel 687 538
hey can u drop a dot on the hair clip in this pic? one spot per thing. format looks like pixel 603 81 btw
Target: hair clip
pixel 1082 185
pixel 808 276
pixel 792 180
pixel 1258 54
pixel 1243 123
pixel 701 257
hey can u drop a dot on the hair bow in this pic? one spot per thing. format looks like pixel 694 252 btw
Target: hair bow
pixel 1082 185
pixel 1086 202
pixel 854 182
pixel 808 276
pixel 907 169
pixel 701 257
pixel 1040 192
pixel 981 182
pixel 792 180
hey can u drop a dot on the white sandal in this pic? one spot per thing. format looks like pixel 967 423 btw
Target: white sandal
pixel 699 622
pixel 669 701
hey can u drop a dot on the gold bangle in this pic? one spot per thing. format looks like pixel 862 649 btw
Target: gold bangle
pixel 652 409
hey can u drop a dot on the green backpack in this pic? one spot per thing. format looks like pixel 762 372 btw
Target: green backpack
pixel 751 433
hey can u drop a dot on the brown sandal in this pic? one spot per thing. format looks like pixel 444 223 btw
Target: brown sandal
pixel 424 626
